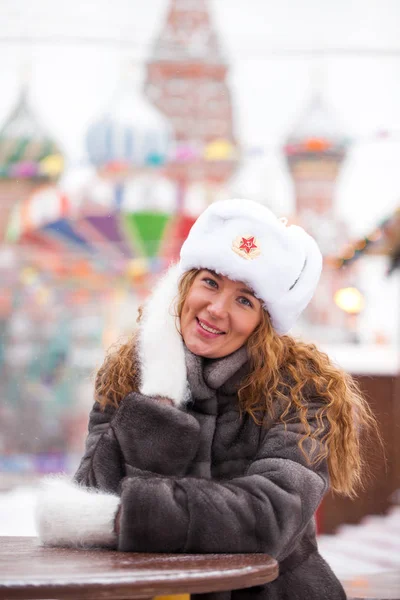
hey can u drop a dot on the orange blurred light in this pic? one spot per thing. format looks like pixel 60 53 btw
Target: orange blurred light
pixel 317 145
pixel 361 244
pixel 349 253
pixel 350 300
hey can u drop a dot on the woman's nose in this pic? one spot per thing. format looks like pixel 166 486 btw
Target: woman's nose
pixel 219 308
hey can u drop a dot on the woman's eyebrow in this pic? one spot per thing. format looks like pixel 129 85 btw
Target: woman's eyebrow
pixel 214 273
pixel 247 291
pixel 242 290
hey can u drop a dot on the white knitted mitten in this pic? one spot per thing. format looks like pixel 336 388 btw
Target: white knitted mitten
pixel 70 515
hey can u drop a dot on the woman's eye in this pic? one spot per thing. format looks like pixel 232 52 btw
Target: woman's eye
pixel 245 301
pixel 210 282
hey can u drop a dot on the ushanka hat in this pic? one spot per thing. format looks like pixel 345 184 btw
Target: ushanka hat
pixel 245 241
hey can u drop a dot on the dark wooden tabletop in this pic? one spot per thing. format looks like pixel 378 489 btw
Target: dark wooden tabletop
pixel 29 571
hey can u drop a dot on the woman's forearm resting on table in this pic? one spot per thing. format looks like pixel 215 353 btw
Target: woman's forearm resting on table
pixel 166 514
pixel 264 511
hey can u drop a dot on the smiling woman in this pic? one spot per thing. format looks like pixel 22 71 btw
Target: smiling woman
pixel 213 430
pixel 218 316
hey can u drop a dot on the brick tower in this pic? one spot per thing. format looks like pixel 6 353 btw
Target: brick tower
pixel 187 81
pixel 315 151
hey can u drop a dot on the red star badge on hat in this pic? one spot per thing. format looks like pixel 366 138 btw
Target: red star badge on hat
pixel 248 244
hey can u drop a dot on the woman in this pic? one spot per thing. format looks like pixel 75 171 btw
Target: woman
pixel 213 430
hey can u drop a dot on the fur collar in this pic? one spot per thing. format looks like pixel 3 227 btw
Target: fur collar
pixel 205 376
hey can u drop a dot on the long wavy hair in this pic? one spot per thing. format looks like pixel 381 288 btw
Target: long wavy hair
pixel 284 372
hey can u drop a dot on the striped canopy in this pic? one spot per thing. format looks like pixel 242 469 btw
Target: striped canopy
pixel 112 227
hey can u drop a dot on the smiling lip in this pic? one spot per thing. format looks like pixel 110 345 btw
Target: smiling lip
pixel 209 334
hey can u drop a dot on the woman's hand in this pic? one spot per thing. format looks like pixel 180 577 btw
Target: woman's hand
pixel 68 514
pixel 153 435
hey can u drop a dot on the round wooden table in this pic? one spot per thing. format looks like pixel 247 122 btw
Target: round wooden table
pixel 29 571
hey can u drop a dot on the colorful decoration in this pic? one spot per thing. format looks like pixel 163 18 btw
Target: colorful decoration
pixel 26 150
pixel 178 230
pixel 51 166
pixel 186 152
pixel 137 268
pixel 315 134
pixel 384 239
pixel 43 206
pixel 146 229
pixel 118 235
pixel 220 150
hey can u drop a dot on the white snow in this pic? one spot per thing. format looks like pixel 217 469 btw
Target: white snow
pixel 17 511
pixel 364 359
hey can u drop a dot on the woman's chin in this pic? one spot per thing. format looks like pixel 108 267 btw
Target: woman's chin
pixel 201 348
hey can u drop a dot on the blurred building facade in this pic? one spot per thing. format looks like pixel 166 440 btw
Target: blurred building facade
pixel 29 158
pixel 315 151
pixel 187 80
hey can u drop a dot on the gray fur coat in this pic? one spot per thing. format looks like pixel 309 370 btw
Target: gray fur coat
pixel 203 478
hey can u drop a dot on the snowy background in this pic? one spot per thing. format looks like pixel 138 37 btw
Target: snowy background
pixel 280 52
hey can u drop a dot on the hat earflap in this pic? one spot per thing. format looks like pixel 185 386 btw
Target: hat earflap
pixel 287 308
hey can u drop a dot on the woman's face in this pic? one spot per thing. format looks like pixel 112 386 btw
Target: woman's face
pixel 218 315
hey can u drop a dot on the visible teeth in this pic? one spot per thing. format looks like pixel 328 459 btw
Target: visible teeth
pixel 210 329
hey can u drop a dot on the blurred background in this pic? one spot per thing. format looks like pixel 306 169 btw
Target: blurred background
pixel 119 123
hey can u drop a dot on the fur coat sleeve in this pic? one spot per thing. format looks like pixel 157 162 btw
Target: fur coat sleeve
pixel 138 438
pixel 265 510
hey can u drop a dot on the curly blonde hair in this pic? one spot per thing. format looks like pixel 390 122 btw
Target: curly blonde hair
pixel 285 372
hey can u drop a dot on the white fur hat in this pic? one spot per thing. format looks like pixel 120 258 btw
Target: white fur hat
pixel 244 241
